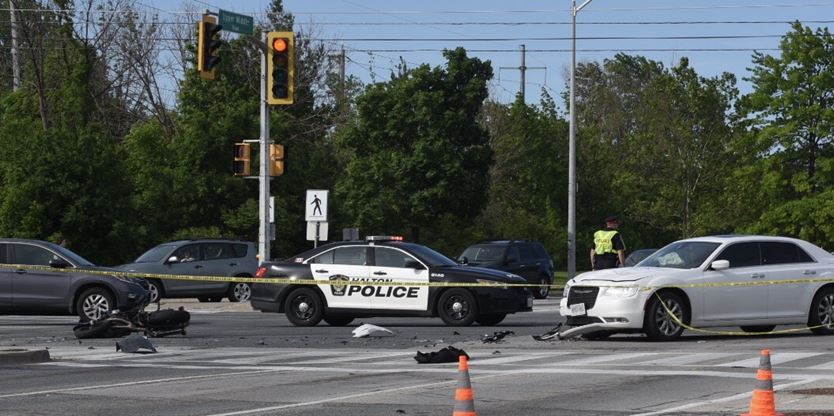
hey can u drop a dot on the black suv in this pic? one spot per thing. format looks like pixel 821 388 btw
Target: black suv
pixel 527 259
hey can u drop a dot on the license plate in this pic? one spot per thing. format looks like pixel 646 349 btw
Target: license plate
pixel 577 309
pixel 530 302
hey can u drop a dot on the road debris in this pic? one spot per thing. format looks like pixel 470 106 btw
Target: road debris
pixel 496 336
pixel 134 343
pixel 371 330
pixel 449 354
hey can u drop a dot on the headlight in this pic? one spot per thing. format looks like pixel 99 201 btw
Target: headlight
pixel 120 277
pixel 621 291
pixel 492 283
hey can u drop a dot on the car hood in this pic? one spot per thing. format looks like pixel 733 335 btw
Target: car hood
pixel 480 273
pixel 627 274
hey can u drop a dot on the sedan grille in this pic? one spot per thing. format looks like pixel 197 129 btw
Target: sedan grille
pixel 583 294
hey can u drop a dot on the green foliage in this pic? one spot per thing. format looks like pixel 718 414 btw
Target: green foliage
pixel 417 150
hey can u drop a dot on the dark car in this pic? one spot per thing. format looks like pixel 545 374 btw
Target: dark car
pixel 527 259
pixel 47 292
pixel 198 257
pixel 637 256
pixel 348 270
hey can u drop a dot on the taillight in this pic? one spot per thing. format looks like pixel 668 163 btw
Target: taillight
pixel 261 272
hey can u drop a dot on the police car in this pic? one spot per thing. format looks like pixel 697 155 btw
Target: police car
pixel 359 279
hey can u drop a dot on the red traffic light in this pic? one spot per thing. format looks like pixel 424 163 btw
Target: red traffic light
pixel 279 45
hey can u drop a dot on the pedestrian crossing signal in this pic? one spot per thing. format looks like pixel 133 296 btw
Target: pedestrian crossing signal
pixel 280 68
pixel 242 164
pixel 276 159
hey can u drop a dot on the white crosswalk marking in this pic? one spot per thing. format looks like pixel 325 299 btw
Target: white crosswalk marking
pixel 687 359
pixel 775 359
pixel 516 358
pixel 604 358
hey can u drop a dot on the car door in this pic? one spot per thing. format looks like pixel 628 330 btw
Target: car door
pixel 787 261
pixel 35 291
pixel 5 281
pixel 735 303
pixel 512 260
pixel 189 261
pixel 395 265
pixel 345 273
pixel 530 264
pixel 218 260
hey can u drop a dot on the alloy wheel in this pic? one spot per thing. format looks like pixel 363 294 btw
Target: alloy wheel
pixel 303 307
pixel 825 310
pixel 665 322
pixel 241 292
pixel 457 307
pixel 95 305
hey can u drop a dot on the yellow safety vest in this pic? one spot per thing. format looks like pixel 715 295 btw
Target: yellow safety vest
pixel 603 240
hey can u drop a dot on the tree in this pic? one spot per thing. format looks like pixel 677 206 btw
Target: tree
pixel 417 150
pixel 789 145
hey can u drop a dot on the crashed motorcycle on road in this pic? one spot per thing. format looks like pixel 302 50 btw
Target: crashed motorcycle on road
pixel 117 324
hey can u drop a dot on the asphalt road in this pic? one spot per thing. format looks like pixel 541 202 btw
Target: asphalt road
pixel 237 362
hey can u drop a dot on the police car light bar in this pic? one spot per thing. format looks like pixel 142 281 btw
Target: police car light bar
pixel 384 238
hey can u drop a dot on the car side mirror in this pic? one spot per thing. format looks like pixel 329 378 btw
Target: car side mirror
pixel 463 260
pixel 172 259
pixel 59 263
pixel 720 265
pixel 413 264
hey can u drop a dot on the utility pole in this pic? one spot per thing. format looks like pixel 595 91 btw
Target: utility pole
pixel 263 176
pixel 341 58
pixel 15 62
pixel 523 68
pixel 572 149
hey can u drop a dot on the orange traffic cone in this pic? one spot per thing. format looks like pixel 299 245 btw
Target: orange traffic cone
pixel 464 398
pixel 764 401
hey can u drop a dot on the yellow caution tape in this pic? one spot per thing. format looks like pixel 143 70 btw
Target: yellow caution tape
pixel 732 333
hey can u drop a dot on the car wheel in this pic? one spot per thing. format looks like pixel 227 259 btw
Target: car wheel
pixel 492 319
pixel 94 303
pixel 457 307
pixel 239 292
pixel 155 289
pixel 758 328
pixel 659 324
pixel 821 318
pixel 304 307
pixel 543 289
pixel 338 320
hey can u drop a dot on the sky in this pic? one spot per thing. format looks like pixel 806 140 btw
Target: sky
pixel 716 36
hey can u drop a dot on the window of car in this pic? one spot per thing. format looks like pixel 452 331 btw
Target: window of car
pixel 240 250
pixel 33 255
pixel 3 258
pixel 513 254
pixel 681 255
pixel 389 257
pixel 484 254
pixel 217 251
pixel 742 255
pixel 541 253
pixel 777 252
pixel 155 254
pixel 351 256
pixel 188 253
pixel 324 258
pixel 528 254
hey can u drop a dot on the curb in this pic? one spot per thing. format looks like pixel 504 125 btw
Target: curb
pixel 22 356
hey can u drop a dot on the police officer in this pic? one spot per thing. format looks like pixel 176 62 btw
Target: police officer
pixel 608 250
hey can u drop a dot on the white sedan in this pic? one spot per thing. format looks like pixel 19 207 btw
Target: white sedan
pixel 754 282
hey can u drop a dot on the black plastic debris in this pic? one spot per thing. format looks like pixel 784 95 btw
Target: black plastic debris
pixel 449 354
pixel 496 336
pixel 134 343
pixel 553 333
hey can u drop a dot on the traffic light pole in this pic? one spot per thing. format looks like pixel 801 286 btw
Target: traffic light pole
pixel 263 176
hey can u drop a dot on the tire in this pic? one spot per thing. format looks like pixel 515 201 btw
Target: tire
pixel 541 292
pixel 338 320
pixel 239 292
pixel 598 335
pixel 493 319
pixel 658 324
pixel 93 303
pixel 304 307
pixel 156 290
pixel 758 328
pixel 457 307
pixel 822 312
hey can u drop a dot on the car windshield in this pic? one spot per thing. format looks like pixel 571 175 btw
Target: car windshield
pixel 433 258
pixel 483 254
pixel 74 258
pixel 154 255
pixel 681 255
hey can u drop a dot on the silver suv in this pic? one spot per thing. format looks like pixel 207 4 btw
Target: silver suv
pixel 26 291
pixel 198 257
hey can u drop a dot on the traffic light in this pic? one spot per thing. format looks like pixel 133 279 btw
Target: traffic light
pixel 276 159
pixel 209 41
pixel 243 163
pixel 280 67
